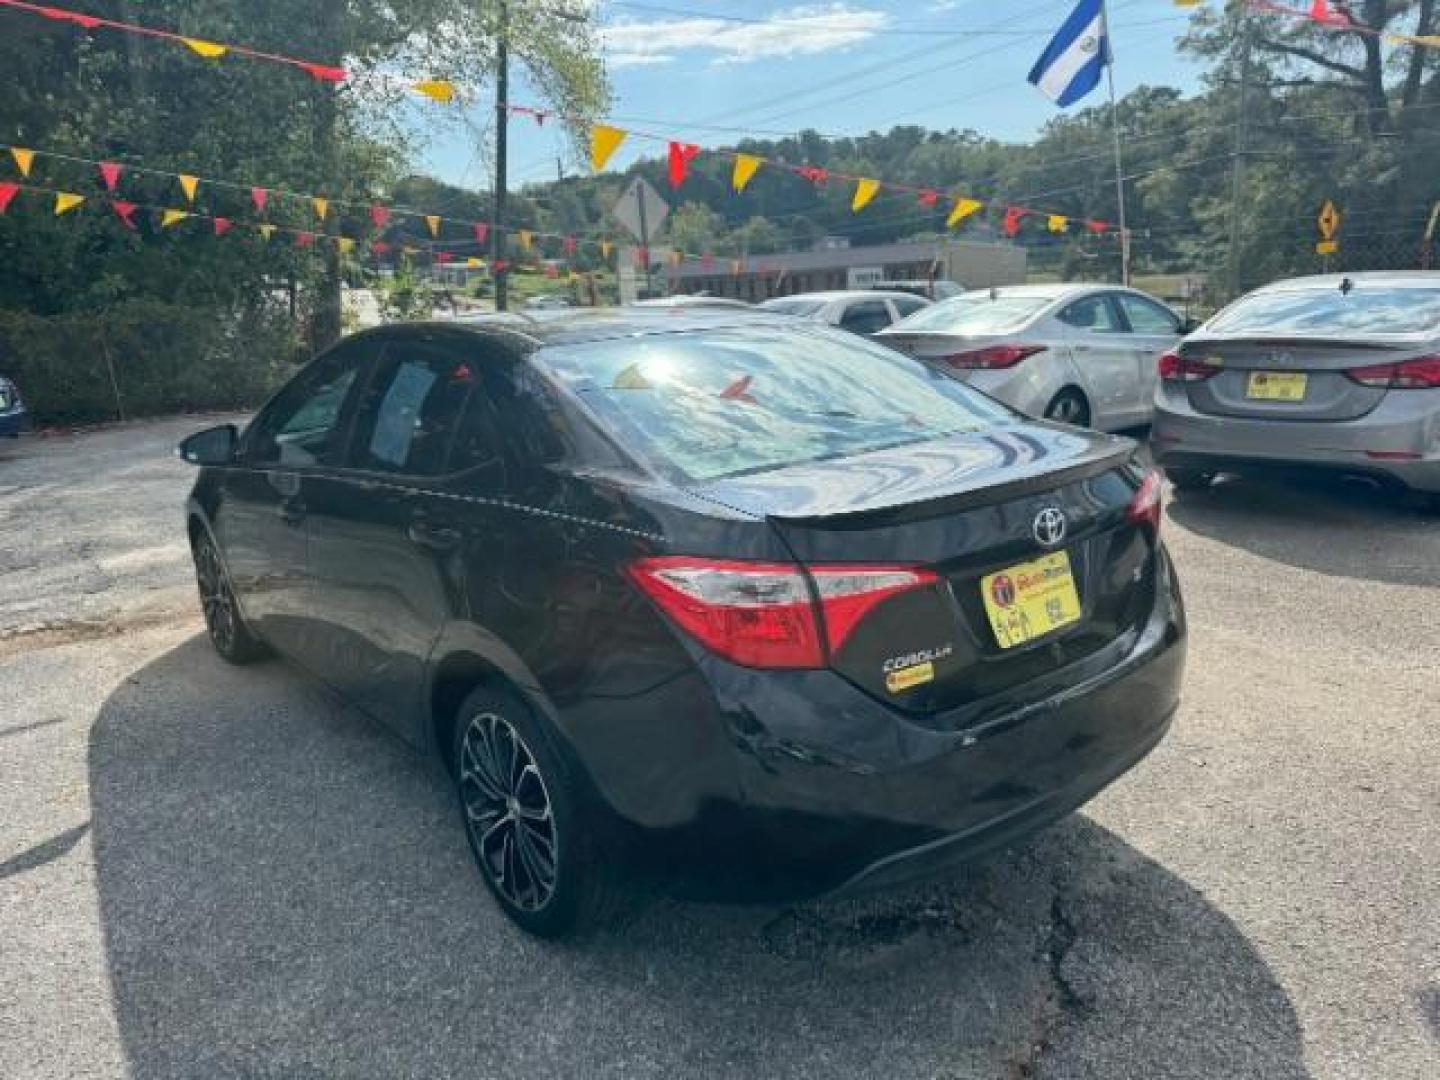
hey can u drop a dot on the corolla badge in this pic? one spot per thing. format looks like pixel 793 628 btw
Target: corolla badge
pixel 1049 526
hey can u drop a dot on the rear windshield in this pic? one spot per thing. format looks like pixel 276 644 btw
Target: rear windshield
pixel 1363 310
pixel 794 307
pixel 976 314
pixel 722 402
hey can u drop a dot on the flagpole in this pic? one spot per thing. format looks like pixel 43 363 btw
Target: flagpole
pixel 1119 159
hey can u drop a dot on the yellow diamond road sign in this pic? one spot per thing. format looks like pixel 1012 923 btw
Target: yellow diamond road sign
pixel 1329 220
pixel 1327 247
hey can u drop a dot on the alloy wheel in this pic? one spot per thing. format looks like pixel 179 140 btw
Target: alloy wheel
pixel 215 597
pixel 508 812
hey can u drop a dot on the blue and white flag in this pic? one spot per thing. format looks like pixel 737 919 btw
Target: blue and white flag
pixel 1071 65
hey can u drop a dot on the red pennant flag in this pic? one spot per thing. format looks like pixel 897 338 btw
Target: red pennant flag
pixel 482 231
pixel 110 173
pixel 739 390
pixel 380 216
pixel 1098 227
pixel 304 239
pixel 325 73
pixel 707 260
pixel 568 245
pixel 929 198
pixel 681 154
pixel 1013 216
pixel 379 247
pixel 642 257
pixel 89 22
pixel 259 196
pixel 222 225
pixel 443 257
pixel 7 192
pixel 125 211
pixel 1321 12
pixel 814 174
pixel 551 271
pixel 500 265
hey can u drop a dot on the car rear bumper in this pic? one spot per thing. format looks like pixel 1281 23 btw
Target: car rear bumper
pixel 14 422
pixel 1398 442
pixel 837 791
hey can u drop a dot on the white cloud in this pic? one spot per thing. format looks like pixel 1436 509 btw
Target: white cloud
pixel 799 31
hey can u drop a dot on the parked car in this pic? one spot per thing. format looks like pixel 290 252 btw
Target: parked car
pixel 547 302
pixel 1337 374
pixel 684 300
pixel 13 416
pixel 861 311
pixel 939 289
pixel 1080 354
pixel 755 607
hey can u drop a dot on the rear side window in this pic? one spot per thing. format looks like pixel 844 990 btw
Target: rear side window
pixel 793 307
pixel 977 314
pixel 1365 309
pixel 722 402
pixel 1148 317
pixel 407 418
pixel 907 305
pixel 1095 313
pixel 866 317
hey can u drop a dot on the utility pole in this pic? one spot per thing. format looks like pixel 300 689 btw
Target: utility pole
pixel 644 241
pixel 1237 166
pixel 502 123
pixel 1119 161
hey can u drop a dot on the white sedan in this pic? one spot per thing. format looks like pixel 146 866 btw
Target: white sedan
pixel 1080 354
pixel 861 311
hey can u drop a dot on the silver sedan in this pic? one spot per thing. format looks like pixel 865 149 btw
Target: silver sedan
pixel 1339 373
pixel 1080 354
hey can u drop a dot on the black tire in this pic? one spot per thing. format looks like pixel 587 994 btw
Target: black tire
pixel 224 624
pixel 1069 407
pixel 513 816
pixel 1189 479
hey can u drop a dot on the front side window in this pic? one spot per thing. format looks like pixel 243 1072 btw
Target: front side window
pixel 1148 317
pixel 1363 309
pixel 302 426
pixel 709 404
pixel 907 305
pixel 866 317
pixel 407 418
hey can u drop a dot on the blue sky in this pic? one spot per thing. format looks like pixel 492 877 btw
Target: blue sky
pixel 710 71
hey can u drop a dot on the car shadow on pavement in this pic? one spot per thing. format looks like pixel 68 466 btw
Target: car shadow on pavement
pixel 285 891
pixel 1331 527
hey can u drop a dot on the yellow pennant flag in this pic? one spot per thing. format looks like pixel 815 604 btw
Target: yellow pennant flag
pixel 65 202
pixel 172 217
pixel 266 230
pixel 745 166
pixel 322 206
pixel 437 90
pixel 1188 3
pixel 23 159
pixel 604 141
pixel 345 244
pixel 473 263
pixel 605 248
pixel 676 258
pixel 962 210
pixel 207 49
pixel 188 184
pixel 432 222
pixel 864 191
pixel 526 238
pixel 1057 223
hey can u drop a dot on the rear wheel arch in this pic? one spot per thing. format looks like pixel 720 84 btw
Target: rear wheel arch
pixel 456 677
pixel 1072 392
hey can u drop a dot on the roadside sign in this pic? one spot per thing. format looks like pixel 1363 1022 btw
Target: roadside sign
pixel 1329 221
pixel 641 210
pixel 1327 247
pixel 864 277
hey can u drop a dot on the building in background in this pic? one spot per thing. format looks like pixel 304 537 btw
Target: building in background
pixel 972 264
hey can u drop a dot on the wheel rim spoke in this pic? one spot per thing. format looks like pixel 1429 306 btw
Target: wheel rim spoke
pixel 507 812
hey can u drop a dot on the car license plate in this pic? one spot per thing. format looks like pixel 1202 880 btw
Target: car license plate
pixel 1030 600
pixel 1276 386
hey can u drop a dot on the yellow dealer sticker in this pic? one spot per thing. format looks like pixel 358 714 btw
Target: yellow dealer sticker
pixel 906 678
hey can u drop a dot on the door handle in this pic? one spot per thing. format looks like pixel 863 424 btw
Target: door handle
pixel 435 537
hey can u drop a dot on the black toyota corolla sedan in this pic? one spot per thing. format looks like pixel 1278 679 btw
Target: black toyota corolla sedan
pixel 747 608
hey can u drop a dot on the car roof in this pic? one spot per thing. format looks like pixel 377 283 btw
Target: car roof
pixel 1395 279
pixel 1053 291
pixel 831 295
pixel 579 325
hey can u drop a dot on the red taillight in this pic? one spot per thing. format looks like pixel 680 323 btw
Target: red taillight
pixel 763 615
pixel 1145 506
pixel 1422 373
pixel 991 357
pixel 1176 368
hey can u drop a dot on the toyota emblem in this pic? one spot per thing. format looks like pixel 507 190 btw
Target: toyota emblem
pixel 1049 526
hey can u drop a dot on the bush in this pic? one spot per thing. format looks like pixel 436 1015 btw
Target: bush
pixel 165 358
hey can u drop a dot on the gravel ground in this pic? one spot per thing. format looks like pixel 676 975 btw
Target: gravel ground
pixel 211 872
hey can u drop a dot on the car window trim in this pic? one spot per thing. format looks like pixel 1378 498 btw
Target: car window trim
pixel 343 422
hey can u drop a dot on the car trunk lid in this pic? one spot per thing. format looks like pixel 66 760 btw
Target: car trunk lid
pixel 966 509
pixel 1298 379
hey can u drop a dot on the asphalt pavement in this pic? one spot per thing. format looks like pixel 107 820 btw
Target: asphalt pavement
pixel 213 872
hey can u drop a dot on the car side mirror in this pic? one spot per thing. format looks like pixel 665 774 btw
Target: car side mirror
pixel 213 446
pixel 1189 324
